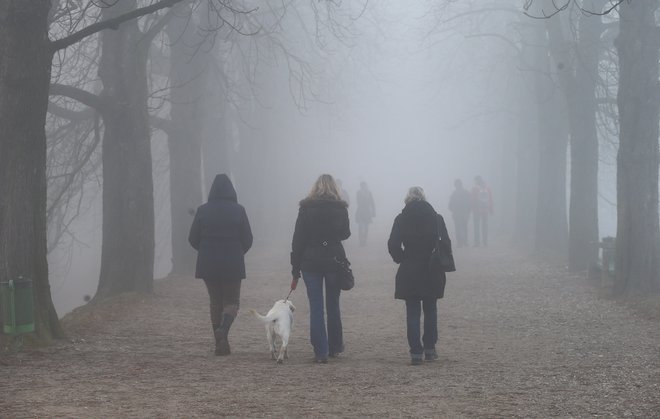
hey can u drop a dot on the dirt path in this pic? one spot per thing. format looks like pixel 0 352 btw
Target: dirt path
pixel 517 338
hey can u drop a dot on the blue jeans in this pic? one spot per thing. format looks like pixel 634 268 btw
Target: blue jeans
pixel 413 312
pixel 331 342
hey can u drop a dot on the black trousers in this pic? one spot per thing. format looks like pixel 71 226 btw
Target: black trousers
pixel 225 298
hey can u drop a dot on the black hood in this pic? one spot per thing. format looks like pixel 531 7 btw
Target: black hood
pixel 222 189
pixel 418 208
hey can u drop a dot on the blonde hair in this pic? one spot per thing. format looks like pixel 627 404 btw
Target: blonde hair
pixel 416 193
pixel 325 187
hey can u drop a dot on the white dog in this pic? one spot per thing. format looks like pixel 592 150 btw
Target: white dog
pixel 278 322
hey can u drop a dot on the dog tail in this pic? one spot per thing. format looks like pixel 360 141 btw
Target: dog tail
pixel 254 312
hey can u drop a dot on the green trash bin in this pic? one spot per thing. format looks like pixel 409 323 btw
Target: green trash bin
pixel 17 306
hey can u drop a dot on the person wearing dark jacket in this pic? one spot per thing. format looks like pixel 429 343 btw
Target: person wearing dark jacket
pixel 411 242
pixel 221 234
pixel 321 226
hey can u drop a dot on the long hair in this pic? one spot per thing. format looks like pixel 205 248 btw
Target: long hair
pixel 325 187
pixel 416 193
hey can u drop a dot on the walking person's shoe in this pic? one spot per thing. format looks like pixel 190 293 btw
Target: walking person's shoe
pixel 334 353
pixel 321 359
pixel 416 359
pixel 430 355
pixel 222 336
pixel 221 344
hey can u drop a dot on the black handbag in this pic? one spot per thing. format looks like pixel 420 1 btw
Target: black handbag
pixel 344 274
pixel 442 258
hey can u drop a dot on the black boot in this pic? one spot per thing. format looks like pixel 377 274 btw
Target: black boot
pixel 221 335
pixel 216 322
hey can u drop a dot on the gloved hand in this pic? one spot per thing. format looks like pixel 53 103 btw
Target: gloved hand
pixel 294 283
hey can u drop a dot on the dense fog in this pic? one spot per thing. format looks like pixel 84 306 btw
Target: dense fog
pixel 323 208
pixel 396 94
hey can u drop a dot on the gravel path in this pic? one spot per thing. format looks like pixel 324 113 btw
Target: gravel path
pixel 518 338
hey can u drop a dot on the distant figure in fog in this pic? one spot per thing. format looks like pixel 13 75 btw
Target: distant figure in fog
pixel 342 192
pixel 482 208
pixel 411 242
pixel 221 234
pixel 321 226
pixel 460 205
pixel 366 210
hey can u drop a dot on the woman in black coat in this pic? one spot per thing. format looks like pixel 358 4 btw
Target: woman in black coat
pixel 221 235
pixel 411 242
pixel 321 225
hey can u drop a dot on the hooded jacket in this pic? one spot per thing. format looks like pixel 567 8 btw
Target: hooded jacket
pixel 411 242
pixel 221 234
pixel 320 227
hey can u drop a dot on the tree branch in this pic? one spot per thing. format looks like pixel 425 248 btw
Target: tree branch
pixel 109 24
pixel 69 114
pixel 82 96
pixel 558 9
pixel 155 29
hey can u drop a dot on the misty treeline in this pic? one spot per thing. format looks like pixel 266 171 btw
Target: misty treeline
pixel 589 72
pixel 92 92
pixel 586 72
pixel 86 85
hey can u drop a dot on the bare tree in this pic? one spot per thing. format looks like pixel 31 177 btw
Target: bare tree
pixel 190 55
pixel 576 62
pixel 637 160
pixel 25 64
pixel 551 220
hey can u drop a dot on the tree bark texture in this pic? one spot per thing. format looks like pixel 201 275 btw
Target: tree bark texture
pixel 188 77
pixel 217 136
pixel 25 64
pixel 583 209
pixel 577 73
pixel 527 151
pixel 127 258
pixel 551 222
pixel 252 169
pixel 637 159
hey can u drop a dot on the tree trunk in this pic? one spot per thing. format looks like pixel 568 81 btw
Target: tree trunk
pixel 25 62
pixel 527 151
pixel 577 76
pixel 127 259
pixel 637 159
pixel 527 164
pixel 188 76
pixel 551 223
pixel 217 135
pixel 251 171
pixel 216 144
pixel 583 210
